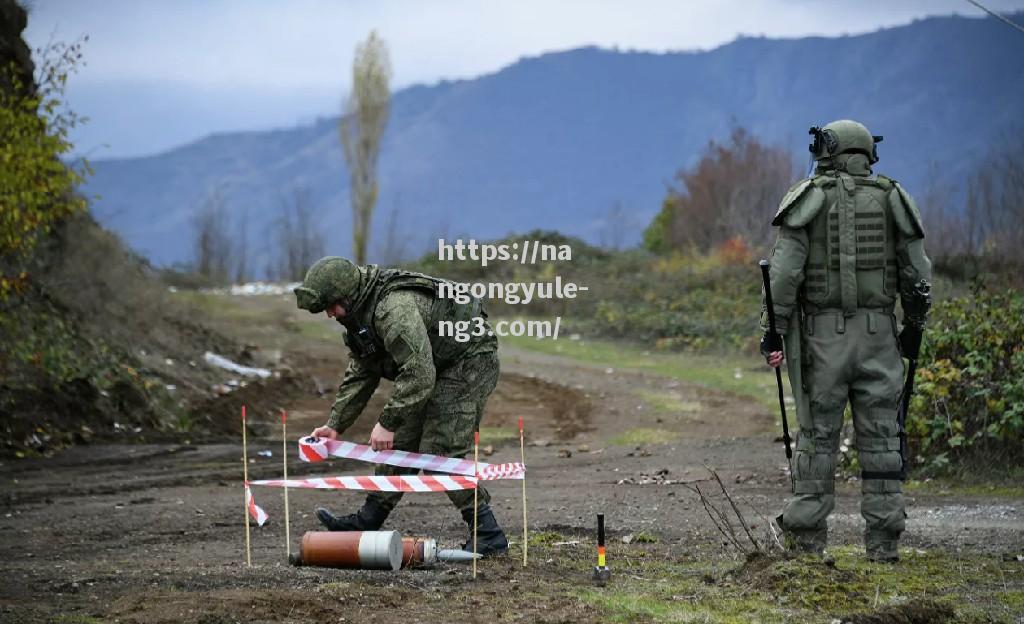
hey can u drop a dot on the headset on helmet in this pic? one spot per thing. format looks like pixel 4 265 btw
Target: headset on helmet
pixel 843 136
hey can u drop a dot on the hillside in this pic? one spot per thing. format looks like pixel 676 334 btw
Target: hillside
pixel 554 141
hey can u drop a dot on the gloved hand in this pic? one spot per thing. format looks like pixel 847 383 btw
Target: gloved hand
pixel 770 343
pixel 910 342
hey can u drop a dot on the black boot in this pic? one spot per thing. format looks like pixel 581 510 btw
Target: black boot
pixel 370 517
pixel 490 539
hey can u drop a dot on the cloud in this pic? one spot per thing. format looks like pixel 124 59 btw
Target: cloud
pixel 212 47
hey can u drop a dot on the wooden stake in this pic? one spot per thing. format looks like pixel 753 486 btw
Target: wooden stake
pixel 476 493
pixel 284 460
pixel 522 455
pixel 245 497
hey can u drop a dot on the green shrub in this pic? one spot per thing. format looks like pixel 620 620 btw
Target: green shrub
pixel 683 301
pixel 968 406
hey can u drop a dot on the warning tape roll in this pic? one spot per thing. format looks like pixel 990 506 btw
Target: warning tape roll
pixel 319 449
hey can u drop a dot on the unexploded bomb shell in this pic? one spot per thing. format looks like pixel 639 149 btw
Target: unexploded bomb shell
pixel 367 550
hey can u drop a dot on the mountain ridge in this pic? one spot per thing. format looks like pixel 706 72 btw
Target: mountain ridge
pixel 555 140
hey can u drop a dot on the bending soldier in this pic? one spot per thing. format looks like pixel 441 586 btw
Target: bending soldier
pixel 849 243
pixel 441 385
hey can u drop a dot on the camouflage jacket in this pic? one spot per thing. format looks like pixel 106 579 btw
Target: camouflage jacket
pixel 394 333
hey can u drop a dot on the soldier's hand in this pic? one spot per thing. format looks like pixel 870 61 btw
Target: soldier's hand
pixel 771 349
pixel 381 439
pixel 325 432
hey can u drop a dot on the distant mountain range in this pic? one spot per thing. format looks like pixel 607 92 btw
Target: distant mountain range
pixel 556 141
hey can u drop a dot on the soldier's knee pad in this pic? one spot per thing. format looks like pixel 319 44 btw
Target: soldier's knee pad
pixel 814 472
pixel 880 459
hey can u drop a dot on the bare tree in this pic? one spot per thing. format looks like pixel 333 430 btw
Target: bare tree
pixel 614 227
pixel 212 253
pixel 362 126
pixel 300 243
pixel 949 236
pixel 395 246
pixel 242 250
pixel 995 206
pixel 730 193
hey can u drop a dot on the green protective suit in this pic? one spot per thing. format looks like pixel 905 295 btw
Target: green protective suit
pixel 441 385
pixel 848 245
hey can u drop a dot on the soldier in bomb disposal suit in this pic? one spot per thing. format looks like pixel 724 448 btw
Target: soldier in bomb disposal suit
pixel 441 384
pixel 849 244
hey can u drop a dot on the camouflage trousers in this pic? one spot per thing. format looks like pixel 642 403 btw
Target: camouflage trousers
pixel 446 424
pixel 855 359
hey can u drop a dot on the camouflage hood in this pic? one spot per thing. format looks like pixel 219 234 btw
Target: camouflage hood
pixel 369 280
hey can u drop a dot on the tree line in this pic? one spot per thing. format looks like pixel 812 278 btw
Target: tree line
pixel 729 196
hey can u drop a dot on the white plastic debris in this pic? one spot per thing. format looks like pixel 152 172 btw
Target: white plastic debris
pixel 222 362
pixel 263 288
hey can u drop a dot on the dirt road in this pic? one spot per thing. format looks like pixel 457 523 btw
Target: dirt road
pixel 154 533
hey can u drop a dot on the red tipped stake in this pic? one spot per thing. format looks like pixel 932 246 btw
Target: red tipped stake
pixel 476 493
pixel 522 457
pixel 284 461
pixel 245 478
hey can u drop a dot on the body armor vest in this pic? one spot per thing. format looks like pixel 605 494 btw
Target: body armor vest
pixel 363 338
pixel 851 262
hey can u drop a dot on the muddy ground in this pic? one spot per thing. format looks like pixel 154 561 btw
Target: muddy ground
pixel 155 532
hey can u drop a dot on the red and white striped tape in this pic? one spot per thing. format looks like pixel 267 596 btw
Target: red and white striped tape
pixel 319 449
pixel 398 483
pixel 255 510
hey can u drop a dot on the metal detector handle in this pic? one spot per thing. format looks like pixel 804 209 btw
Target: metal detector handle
pixel 901 421
pixel 774 334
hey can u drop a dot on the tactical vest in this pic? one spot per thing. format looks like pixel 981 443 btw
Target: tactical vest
pixel 851 261
pixel 364 339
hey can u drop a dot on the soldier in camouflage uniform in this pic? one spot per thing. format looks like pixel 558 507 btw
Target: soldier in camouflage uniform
pixel 849 244
pixel 441 385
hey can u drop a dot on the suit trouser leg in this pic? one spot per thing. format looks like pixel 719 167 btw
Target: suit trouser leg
pixel 828 351
pixel 875 394
pixel 454 414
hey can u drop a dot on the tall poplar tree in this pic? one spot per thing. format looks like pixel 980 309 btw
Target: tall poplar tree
pixel 362 127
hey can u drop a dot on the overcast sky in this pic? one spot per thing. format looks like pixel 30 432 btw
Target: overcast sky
pixel 161 73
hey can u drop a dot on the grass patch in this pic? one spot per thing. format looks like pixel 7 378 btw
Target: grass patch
pixel 318 330
pixel 668 403
pixel 224 307
pixel 1013 600
pixel 642 435
pixel 945 487
pixel 495 435
pixel 732 373
pixel 545 538
pixel 975 587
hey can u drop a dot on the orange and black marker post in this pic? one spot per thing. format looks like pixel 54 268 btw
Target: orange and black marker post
pixel 601 572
